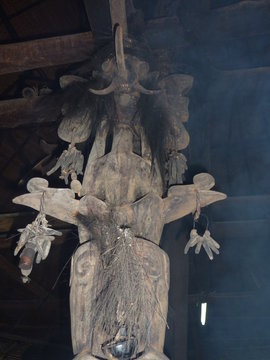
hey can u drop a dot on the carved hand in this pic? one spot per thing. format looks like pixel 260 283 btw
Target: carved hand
pixel 206 241
pixel 183 199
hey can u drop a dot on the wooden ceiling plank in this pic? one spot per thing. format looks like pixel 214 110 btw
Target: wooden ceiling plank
pixel 59 50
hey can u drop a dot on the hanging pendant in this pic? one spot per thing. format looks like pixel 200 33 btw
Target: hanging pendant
pixel 208 243
pixel 35 240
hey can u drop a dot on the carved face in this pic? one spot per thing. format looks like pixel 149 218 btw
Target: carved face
pixel 124 74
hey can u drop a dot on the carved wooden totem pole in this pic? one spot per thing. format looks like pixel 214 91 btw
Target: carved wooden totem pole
pixel 119 274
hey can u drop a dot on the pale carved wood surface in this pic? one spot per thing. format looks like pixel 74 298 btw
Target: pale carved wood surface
pixel 122 170
pixel 84 273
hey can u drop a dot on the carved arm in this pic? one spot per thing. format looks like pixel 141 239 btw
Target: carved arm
pixel 59 203
pixel 183 199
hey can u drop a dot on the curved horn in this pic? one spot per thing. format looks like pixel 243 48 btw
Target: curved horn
pixel 105 91
pixel 145 91
pixel 119 52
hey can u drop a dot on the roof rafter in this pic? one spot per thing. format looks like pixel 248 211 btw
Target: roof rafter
pixel 47 52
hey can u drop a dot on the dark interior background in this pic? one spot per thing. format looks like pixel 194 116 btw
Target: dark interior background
pixel 225 45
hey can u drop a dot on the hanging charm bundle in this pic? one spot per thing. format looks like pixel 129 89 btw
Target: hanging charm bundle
pixel 71 164
pixel 35 240
pixel 205 240
pixel 208 243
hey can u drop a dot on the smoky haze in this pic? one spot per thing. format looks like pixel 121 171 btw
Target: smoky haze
pixel 229 129
pixel 226 49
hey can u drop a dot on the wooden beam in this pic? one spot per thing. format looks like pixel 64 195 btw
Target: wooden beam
pixel 40 53
pixel 16 112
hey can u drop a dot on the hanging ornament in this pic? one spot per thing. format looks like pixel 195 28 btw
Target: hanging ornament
pixel 177 165
pixel 71 164
pixel 208 243
pixel 36 240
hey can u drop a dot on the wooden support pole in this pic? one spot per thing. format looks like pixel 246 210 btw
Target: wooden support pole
pixel 118 14
pixel 45 52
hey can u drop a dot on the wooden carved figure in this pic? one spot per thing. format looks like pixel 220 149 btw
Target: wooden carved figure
pixel 119 274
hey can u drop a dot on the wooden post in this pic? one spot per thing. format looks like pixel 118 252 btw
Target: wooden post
pixel 118 14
